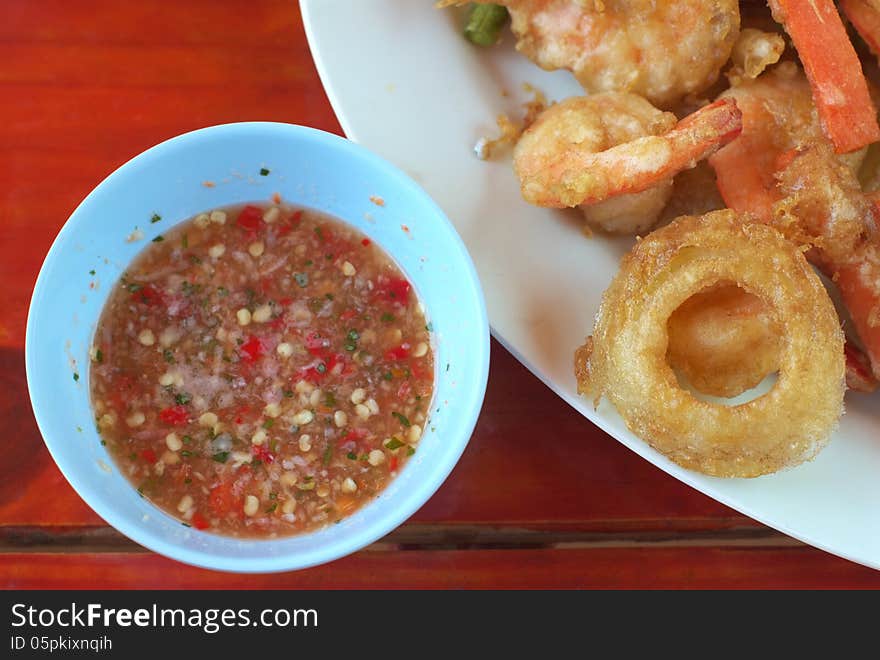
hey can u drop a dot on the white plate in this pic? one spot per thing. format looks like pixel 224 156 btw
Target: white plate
pixel 404 83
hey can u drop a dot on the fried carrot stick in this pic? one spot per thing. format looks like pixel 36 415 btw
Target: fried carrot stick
pixel 840 91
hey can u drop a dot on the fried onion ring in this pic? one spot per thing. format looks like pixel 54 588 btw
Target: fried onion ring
pixel 723 340
pixel 625 360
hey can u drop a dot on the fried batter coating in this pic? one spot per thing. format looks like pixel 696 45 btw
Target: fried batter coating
pixel 724 340
pixel 625 360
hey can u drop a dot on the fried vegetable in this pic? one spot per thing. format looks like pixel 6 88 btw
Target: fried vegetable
pixel 484 24
pixel 625 359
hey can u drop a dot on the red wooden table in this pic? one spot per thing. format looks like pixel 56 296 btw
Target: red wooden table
pixel 89 84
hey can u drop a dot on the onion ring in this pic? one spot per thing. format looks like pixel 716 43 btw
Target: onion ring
pixel 625 359
pixel 723 340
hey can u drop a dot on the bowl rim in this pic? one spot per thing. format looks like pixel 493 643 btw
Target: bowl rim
pixel 416 495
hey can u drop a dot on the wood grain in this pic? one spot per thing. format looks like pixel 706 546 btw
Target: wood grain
pixel 601 568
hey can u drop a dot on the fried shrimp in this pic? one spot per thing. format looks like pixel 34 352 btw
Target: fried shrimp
pixel 617 149
pixel 778 115
pixel 660 49
pixel 625 359
pixel 783 170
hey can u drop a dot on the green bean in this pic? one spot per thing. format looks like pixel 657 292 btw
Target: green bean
pixel 484 24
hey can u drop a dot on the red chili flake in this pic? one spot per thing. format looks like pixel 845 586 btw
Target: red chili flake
pixel 348 315
pixel 198 521
pixel 251 350
pixel 398 353
pixel 317 372
pixel 250 219
pixel 240 415
pixel 366 242
pixel 356 434
pixel 277 323
pixel 262 453
pixel 222 499
pixel 392 464
pixel 265 284
pixel 175 415
pixel 316 344
pixel 285 301
pixel 149 456
pixel 393 290
pixel 148 295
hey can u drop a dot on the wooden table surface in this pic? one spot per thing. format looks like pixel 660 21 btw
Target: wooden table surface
pixel 88 85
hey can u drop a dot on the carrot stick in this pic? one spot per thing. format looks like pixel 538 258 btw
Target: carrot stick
pixel 840 91
pixel 866 20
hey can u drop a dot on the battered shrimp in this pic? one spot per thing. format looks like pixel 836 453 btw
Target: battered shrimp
pixel 661 49
pixel 614 155
pixel 783 170
pixel 778 115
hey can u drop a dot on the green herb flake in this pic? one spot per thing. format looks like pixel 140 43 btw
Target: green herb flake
pixel 220 456
pixel 387 375
pixel 330 400
pixel 302 279
pixel 309 262
pixel 75 376
pixel 351 456
pixel 185 524
pixel 268 424
pixel 410 451
pixel 272 508
pixel 92 272
pixel 328 454
pixel 222 291
pixel 403 420
pixel 288 394
pixel 321 368
pixel 182 398
pixel 184 242
pixel 186 453
pixel 394 443
pixel 187 481
pixel 187 439
pixel 159 239
pixel 168 355
pixel 429 327
pixel 264 171
pixel 155 218
pixel 353 335
pixel 99 356
pixel 387 318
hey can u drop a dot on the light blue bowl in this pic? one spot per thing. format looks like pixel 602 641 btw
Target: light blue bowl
pixel 308 168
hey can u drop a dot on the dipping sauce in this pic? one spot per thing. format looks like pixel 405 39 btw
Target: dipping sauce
pixel 261 371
